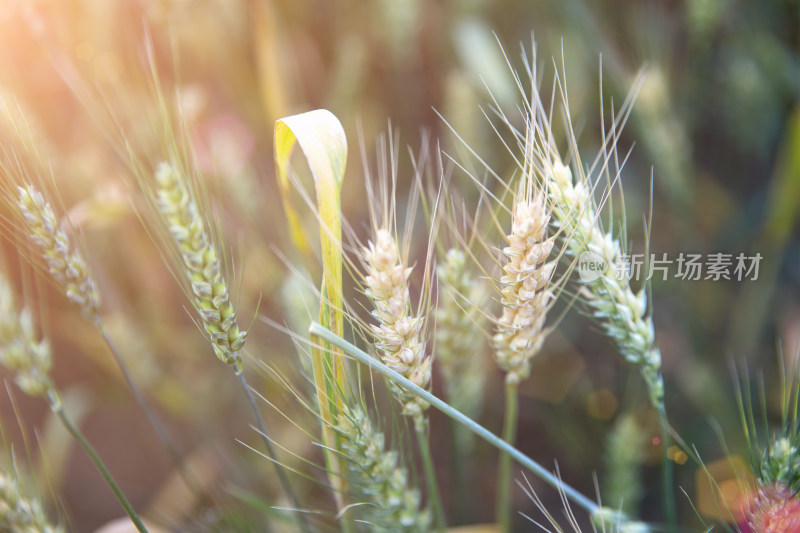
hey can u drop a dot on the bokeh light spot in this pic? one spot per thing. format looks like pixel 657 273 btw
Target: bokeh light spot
pixel 677 455
pixel 721 489
pixel 602 404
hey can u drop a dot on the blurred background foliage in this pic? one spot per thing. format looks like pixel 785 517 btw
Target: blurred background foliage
pixel 716 122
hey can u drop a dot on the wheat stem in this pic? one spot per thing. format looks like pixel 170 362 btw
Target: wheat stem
pixel 430 473
pixel 101 467
pixel 144 404
pixel 667 471
pixel 503 504
pixel 262 430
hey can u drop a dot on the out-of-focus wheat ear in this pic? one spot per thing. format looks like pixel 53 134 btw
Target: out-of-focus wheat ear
pixel 30 361
pixel 55 247
pixel 19 512
pixel 202 265
pixel 378 477
pixel 200 269
pixel 66 263
pixel 624 455
pixel 458 335
pixel 459 348
pixel 21 352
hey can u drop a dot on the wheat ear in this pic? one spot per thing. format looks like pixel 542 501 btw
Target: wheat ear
pixel 70 272
pixel 65 262
pixel 398 334
pixel 525 290
pixel 203 267
pixel 203 271
pixel 622 313
pixel 20 351
pixel 30 360
pixel 456 335
pixel 777 465
pixel 20 513
pixel 459 343
pixel 376 475
pixel 398 337
pixel 624 455
pixel 526 297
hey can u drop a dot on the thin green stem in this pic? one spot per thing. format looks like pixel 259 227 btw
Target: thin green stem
pixel 430 473
pixel 667 473
pixel 362 357
pixel 457 456
pixel 149 412
pixel 504 469
pixel 98 463
pixel 262 430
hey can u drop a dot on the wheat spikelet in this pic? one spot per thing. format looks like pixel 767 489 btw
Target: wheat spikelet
pixel 525 294
pixel 398 334
pixel 377 476
pixel 19 513
pixel 621 312
pixel 202 265
pixel 65 262
pixel 781 463
pixel 456 337
pixel 20 351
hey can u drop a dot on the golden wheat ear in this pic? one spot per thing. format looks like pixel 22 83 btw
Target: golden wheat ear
pixel 398 333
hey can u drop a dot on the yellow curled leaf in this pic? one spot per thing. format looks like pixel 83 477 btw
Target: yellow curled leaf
pixel 321 138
